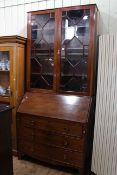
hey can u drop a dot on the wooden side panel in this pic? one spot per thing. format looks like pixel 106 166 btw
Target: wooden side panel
pixel 18 87
pixel 19 74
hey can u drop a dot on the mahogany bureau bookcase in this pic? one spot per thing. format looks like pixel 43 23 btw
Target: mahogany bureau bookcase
pixel 56 116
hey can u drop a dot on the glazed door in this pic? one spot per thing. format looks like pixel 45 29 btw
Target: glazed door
pixel 60 52
pixel 74 49
pixel 6 80
pixel 42 56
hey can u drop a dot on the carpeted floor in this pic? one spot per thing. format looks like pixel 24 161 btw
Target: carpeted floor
pixel 24 167
pixel 31 167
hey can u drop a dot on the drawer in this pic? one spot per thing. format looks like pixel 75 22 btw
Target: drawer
pixel 27 121
pixel 33 122
pixel 57 140
pixel 26 133
pixel 74 158
pixel 59 154
pixel 57 126
pixel 75 129
pixel 60 127
pixel 74 143
pixel 26 147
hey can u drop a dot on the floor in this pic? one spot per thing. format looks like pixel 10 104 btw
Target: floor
pixel 30 167
pixel 24 167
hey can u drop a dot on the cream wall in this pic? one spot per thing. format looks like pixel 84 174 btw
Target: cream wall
pixel 13 14
pixel 104 161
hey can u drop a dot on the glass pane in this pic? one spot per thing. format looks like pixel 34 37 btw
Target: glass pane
pixel 4 73
pixel 42 51
pixel 74 50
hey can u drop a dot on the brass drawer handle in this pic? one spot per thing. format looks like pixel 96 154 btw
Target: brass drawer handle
pixel 32 121
pixel 65 157
pixel 66 143
pixel 84 132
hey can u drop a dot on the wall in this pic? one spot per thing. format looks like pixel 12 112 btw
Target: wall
pixel 104 161
pixel 13 14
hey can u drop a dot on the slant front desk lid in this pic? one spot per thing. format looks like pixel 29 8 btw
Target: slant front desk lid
pixel 67 107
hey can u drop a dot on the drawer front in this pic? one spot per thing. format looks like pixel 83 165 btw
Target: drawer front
pixel 50 138
pixel 26 147
pixel 74 158
pixel 74 129
pixel 74 144
pixel 69 129
pixel 27 121
pixel 34 122
pixel 26 133
pixel 59 154
pixel 60 127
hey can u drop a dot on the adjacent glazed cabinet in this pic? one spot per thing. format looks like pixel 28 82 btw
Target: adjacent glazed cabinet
pixel 60 51
pixel 12 53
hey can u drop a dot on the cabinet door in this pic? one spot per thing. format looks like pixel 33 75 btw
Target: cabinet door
pixel 6 81
pixel 61 50
pixel 76 46
pixel 42 50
